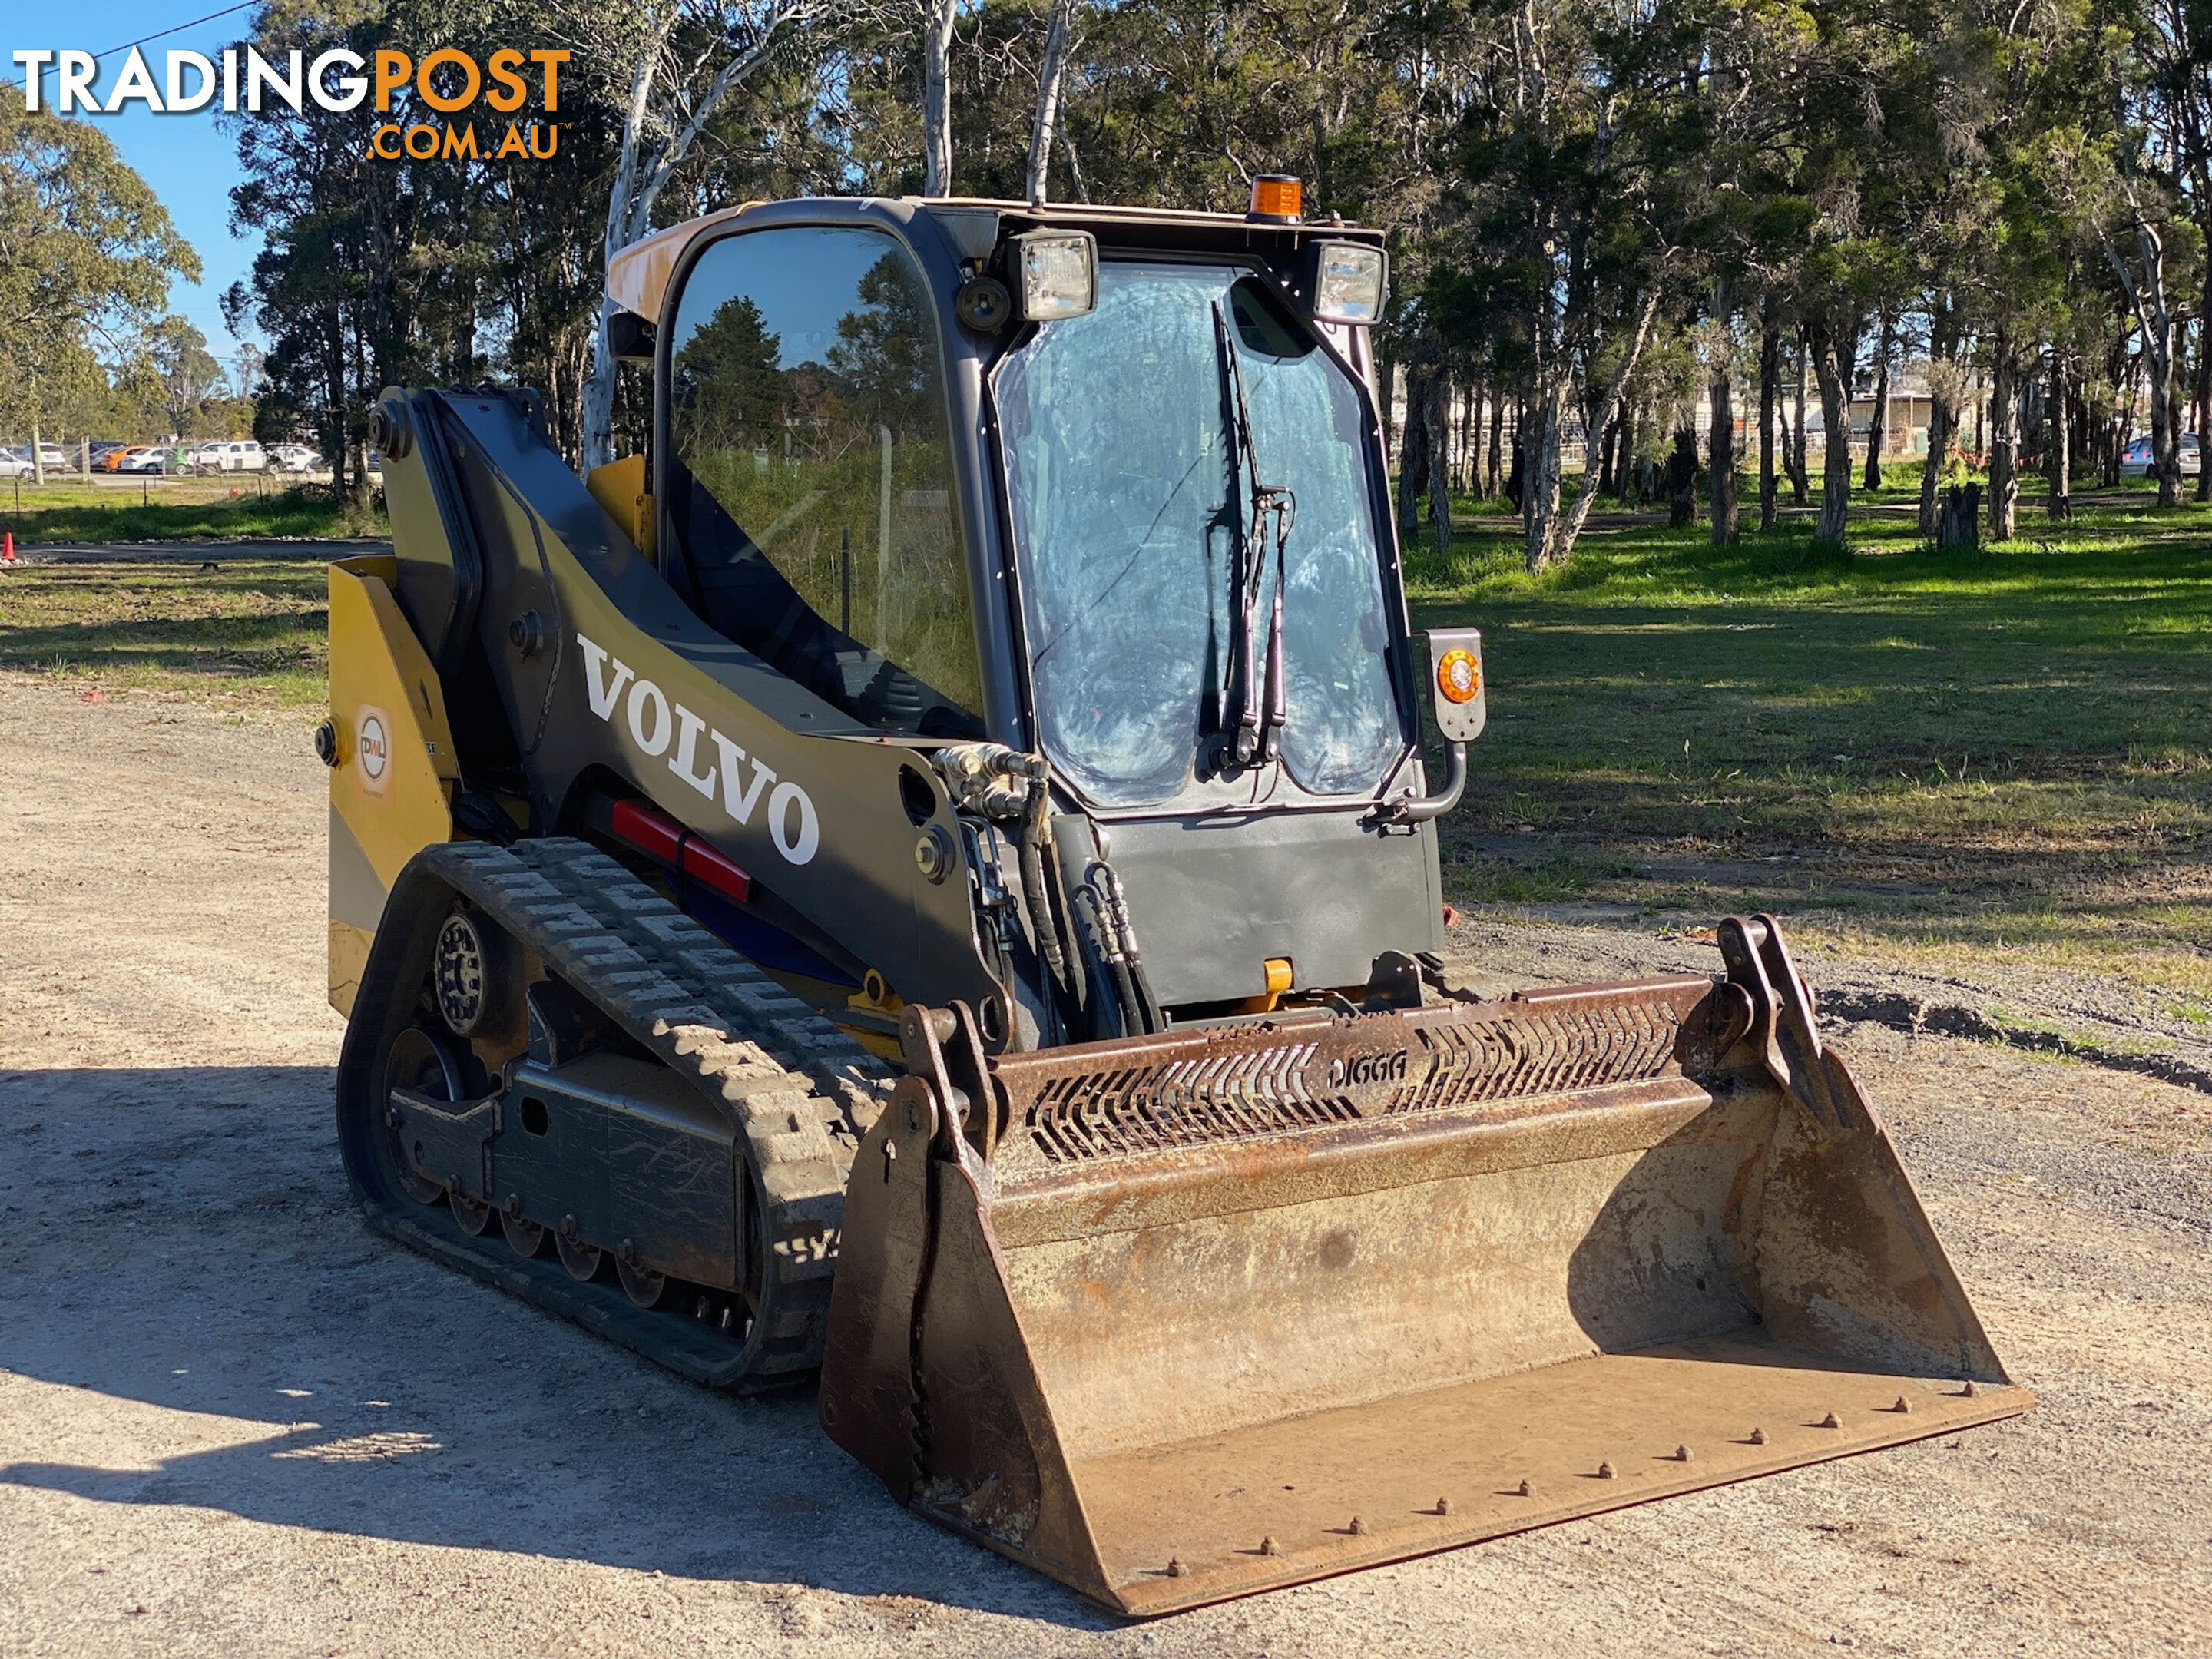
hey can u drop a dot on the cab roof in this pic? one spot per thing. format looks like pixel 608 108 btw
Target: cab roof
pixel 638 276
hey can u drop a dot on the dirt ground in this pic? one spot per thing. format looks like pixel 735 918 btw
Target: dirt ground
pixel 233 1423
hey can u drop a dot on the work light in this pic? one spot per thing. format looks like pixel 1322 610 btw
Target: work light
pixel 1056 274
pixel 1346 282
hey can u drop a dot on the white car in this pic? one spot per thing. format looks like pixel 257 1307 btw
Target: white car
pixel 15 463
pixel 57 459
pixel 238 455
pixel 2135 462
pixel 293 458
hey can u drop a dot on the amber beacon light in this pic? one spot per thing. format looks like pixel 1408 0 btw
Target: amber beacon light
pixel 1277 198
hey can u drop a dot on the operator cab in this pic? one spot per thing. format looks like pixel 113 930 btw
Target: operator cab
pixel 1106 485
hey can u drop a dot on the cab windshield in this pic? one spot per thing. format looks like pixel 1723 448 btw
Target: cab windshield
pixel 1127 499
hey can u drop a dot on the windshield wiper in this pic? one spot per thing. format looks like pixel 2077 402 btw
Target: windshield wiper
pixel 1251 723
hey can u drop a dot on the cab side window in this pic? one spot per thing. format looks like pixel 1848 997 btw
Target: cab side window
pixel 811 473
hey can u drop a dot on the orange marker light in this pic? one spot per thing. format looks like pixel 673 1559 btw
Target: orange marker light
pixel 1459 676
pixel 1276 196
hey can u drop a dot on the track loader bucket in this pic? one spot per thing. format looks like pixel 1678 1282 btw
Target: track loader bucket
pixel 1183 1317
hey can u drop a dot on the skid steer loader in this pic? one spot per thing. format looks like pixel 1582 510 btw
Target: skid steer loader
pixel 928 877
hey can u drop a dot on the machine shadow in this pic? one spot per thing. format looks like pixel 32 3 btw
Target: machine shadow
pixel 186 1251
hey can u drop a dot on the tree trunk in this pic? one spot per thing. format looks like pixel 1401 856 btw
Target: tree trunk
pixel 1051 73
pixel 1878 423
pixel 2004 474
pixel 1541 433
pixel 1517 475
pixel 1783 445
pixel 1682 480
pixel 1497 442
pixel 1833 374
pixel 599 393
pixel 1470 425
pixel 1940 422
pixel 2165 437
pixel 1439 421
pixel 2145 291
pixel 1800 483
pixel 937 97
pixel 1942 349
pixel 1959 520
pixel 1476 485
pixel 1561 533
pixel 1386 384
pixel 334 443
pixel 2204 388
pixel 1769 375
pixel 38 438
pixel 1413 459
pixel 1721 480
pixel 2057 458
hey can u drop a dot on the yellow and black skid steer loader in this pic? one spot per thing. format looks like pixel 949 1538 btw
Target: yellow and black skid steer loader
pixel 926 878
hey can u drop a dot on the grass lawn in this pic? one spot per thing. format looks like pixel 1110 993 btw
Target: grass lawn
pixel 177 509
pixel 248 630
pixel 1941 757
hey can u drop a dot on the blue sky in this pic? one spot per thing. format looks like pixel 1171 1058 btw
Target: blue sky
pixel 186 159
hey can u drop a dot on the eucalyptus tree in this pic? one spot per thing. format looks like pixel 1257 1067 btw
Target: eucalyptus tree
pixel 87 254
pixel 1568 209
pixel 685 61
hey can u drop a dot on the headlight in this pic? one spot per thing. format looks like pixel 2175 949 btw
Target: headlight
pixel 1347 282
pixel 1056 274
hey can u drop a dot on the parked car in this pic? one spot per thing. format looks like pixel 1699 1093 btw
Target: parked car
pixel 15 463
pixel 236 455
pixel 105 455
pixel 2134 462
pixel 143 457
pixel 294 458
pixel 56 460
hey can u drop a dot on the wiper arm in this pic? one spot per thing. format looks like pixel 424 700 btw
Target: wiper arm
pixel 1252 723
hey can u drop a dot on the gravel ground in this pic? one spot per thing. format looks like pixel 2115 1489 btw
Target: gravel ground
pixel 233 1422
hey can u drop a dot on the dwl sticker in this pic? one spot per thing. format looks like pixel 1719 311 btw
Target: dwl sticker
pixel 372 746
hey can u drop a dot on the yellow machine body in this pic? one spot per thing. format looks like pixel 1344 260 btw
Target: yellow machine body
pixel 392 766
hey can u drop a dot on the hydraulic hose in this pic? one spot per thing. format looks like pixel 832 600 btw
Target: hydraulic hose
pixel 1036 834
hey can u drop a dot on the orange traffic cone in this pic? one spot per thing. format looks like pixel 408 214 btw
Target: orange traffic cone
pixel 8 548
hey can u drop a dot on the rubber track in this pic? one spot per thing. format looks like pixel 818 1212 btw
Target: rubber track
pixel 800 1090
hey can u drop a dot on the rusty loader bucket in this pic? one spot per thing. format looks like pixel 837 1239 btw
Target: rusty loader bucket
pixel 1183 1317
